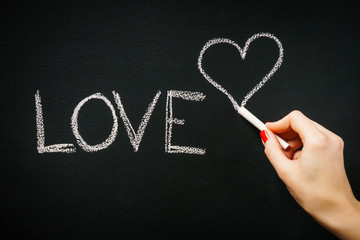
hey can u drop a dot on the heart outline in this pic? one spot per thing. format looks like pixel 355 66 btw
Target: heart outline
pixel 242 52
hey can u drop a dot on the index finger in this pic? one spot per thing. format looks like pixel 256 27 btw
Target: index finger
pixel 296 122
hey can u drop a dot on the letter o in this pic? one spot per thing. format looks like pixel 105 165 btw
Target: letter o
pixel 75 128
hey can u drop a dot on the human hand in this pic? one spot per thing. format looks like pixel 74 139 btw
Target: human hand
pixel 312 169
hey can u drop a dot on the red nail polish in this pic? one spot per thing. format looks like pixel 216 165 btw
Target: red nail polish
pixel 264 136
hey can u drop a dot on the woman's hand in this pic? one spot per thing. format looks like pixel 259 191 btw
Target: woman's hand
pixel 313 170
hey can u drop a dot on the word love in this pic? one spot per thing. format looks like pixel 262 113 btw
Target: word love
pixel 134 136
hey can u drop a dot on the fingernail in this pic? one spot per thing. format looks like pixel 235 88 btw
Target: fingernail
pixel 264 136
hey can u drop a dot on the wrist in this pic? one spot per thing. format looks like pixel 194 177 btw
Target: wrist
pixel 342 218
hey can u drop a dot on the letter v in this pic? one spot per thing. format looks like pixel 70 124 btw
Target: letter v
pixel 135 138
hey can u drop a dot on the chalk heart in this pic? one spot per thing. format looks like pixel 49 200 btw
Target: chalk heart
pixel 242 52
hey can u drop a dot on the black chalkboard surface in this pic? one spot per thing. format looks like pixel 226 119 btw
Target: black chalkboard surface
pixel 162 152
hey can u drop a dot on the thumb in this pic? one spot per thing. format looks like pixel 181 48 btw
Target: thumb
pixel 275 153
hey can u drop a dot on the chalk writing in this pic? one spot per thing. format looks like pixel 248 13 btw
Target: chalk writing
pixel 75 128
pixel 170 120
pixel 243 55
pixel 135 137
pixel 40 133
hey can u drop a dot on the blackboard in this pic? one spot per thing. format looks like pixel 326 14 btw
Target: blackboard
pixel 64 52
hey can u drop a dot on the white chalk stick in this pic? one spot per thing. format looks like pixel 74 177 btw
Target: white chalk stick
pixel 258 124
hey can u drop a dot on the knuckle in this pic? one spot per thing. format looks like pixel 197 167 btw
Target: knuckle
pixel 319 142
pixel 281 169
pixel 322 142
pixel 268 151
pixel 296 113
pixel 282 173
pixel 339 142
